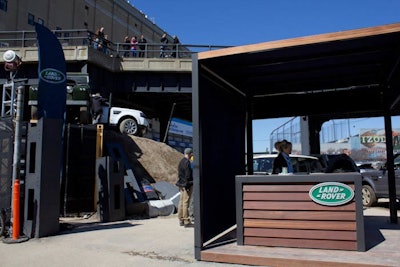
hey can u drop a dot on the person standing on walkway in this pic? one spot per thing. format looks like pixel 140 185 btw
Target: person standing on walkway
pixel 164 43
pixel 134 43
pixel 185 184
pixel 99 39
pixel 126 46
pixel 142 46
pixel 175 47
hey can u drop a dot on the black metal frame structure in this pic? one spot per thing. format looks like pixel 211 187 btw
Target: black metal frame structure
pixel 349 74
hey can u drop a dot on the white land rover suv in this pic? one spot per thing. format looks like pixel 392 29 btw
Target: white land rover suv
pixel 128 121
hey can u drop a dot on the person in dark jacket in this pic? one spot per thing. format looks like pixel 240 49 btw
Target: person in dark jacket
pixel 342 163
pixel 96 103
pixel 142 46
pixel 284 148
pixel 127 46
pixel 185 184
pixel 164 43
pixel 175 47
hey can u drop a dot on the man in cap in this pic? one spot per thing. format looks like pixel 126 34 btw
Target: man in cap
pixel 185 184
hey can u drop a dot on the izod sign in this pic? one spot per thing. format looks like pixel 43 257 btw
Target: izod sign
pixel 331 193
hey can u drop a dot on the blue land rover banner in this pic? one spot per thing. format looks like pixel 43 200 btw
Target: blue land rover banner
pixel 52 75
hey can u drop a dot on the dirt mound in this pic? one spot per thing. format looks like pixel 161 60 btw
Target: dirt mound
pixel 149 159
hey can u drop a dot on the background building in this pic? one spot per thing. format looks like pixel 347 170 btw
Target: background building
pixel 368 144
pixel 118 17
pixel 134 83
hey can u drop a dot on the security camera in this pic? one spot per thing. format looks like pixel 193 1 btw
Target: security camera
pixel 12 60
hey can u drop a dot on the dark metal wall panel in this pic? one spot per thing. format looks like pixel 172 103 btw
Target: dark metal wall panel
pixel 42 195
pixel 219 121
pixel 110 188
pixel 80 160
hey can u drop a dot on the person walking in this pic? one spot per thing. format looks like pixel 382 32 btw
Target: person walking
pixel 185 184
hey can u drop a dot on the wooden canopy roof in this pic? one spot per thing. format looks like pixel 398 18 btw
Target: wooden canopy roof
pixel 344 74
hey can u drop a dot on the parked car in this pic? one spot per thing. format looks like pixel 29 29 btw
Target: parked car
pixel 365 166
pixel 332 163
pixel 262 163
pixel 375 183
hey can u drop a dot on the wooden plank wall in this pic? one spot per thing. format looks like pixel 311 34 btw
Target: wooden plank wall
pixel 284 215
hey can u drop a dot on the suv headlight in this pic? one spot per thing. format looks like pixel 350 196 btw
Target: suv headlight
pixel 70 89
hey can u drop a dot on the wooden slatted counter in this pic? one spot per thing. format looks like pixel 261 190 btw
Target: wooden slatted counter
pixel 304 211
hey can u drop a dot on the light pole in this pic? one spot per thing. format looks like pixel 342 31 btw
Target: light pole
pixel 17 132
pixel 11 64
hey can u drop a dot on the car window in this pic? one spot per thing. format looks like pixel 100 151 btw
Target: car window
pixel 365 166
pixel 397 160
pixel 295 164
pixel 306 165
pixel 300 165
pixel 263 165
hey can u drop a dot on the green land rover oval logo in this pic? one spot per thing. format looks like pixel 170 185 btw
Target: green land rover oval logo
pixel 52 75
pixel 331 193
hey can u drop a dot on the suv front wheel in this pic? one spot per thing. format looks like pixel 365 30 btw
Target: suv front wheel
pixel 129 126
pixel 368 196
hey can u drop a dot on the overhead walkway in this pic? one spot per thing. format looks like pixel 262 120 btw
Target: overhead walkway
pixel 109 62
pixel 123 77
pixel 153 84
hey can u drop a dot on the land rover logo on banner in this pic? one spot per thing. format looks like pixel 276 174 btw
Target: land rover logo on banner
pixel 52 76
pixel 331 193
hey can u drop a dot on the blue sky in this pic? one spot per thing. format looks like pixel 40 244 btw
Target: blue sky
pixel 247 22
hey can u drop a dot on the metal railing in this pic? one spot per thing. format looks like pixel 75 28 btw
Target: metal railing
pixel 84 37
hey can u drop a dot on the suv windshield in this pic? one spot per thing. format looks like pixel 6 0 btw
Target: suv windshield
pixel 397 160
pixel 262 164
